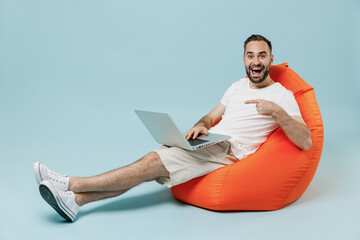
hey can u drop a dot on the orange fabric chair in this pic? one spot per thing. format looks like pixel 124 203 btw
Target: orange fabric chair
pixel 272 177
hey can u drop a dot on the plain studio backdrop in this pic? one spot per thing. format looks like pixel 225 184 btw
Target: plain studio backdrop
pixel 72 73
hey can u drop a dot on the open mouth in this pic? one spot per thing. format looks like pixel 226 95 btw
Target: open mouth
pixel 256 71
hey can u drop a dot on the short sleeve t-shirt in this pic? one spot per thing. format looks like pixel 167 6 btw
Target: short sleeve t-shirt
pixel 247 128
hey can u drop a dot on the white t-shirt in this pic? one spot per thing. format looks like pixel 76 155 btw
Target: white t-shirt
pixel 247 128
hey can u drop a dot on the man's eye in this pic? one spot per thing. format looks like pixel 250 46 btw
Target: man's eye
pixel 262 56
pixel 250 57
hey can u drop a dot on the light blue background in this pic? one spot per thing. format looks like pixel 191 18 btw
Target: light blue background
pixel 72 72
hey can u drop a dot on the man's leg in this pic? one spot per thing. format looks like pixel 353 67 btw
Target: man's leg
pixel 118 181
pixel 66 194
pixel 87 197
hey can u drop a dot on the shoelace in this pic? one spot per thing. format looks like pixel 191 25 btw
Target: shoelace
pixel 62 179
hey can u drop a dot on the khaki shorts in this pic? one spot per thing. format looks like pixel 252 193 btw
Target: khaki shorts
pixel 184 165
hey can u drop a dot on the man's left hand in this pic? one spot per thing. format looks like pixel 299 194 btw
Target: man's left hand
pixel 264 107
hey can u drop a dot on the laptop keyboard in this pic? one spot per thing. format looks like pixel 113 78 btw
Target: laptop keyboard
pixel 194 142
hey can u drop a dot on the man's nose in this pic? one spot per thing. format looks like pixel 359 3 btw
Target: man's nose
pixel 256 61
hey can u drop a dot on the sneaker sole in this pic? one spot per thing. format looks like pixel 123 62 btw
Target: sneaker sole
pixel 50 195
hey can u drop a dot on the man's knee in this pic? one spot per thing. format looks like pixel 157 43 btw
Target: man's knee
pixel 153 156
pixel 152 159
pixel 154 162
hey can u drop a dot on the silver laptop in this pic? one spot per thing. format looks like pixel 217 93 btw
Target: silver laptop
pixel 164 130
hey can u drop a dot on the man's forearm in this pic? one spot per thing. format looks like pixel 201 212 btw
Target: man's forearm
pixel 297 132
pixel 204 122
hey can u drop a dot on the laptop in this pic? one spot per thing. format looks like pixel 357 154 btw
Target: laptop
pixel 164 130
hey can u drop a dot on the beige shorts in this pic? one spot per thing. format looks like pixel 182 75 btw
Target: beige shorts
pixel 184 165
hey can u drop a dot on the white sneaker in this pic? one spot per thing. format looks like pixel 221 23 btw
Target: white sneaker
pixel 59 181
pixel 62 201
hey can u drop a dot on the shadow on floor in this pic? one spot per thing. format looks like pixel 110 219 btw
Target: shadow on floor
pixel 136 202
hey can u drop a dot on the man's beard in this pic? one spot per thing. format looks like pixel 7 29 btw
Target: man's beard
pixel 266 73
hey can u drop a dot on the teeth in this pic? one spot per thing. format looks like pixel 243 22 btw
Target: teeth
pixel 256 69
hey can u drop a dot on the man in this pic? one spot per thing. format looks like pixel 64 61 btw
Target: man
pixel 250 110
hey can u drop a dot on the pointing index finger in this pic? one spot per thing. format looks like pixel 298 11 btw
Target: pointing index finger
pixel 252 101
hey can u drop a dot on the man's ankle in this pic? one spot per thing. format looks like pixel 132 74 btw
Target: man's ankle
pixel 73 186
pixel 79 199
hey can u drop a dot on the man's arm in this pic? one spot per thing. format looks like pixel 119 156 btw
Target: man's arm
pixel 206 122
pixel 294 127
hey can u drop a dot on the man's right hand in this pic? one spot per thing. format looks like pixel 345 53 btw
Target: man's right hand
pixel 195 131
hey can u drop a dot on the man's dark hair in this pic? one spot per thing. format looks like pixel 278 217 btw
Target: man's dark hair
pixel 257 37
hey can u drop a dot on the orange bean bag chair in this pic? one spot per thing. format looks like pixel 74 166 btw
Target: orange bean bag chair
pixel 275 175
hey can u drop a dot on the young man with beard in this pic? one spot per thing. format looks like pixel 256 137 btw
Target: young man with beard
pixel 250 110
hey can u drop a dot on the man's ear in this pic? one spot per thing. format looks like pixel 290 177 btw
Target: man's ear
pixel 272 58
pixel 244 59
